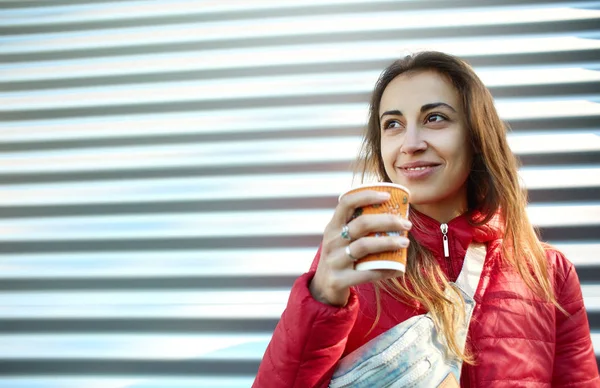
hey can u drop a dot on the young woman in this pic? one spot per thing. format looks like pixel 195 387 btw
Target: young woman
pixel 482 304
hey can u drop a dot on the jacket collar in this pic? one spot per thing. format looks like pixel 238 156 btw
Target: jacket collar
pixel 427 231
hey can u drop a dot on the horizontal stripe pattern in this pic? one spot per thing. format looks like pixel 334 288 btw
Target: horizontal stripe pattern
pixel 166 172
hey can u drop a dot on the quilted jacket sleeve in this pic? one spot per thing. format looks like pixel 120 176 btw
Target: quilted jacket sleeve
pixel 574 362
pixel 307 342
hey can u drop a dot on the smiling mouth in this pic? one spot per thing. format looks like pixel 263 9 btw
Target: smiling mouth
pixel 417 168
pixel 418 172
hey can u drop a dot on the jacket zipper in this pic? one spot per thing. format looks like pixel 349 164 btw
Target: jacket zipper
pixel 444 229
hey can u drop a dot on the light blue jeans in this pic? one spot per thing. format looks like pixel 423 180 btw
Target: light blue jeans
pixel 412 354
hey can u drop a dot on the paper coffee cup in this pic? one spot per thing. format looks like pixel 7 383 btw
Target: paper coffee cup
pixel 397 204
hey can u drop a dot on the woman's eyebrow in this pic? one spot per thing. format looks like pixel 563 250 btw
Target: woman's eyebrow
pixel 394 112
pixel 434 105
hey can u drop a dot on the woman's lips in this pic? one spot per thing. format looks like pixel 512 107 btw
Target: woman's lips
pixel 418 172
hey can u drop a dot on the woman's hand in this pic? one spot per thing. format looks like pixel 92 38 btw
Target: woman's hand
pixel 335 271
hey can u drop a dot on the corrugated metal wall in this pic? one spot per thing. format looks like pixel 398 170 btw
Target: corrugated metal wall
pixel 167 168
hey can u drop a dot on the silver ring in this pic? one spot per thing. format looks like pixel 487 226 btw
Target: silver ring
pixel 350 254
pixel 346 233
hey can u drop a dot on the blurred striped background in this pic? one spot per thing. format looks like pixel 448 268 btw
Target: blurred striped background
pixel 167 167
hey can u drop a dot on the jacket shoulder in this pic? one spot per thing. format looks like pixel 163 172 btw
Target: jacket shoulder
pixel 562 271
pixel 556 258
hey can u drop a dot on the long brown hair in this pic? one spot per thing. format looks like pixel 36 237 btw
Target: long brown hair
pixel 492 189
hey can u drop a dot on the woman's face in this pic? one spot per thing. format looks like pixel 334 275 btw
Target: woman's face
pixel 424 142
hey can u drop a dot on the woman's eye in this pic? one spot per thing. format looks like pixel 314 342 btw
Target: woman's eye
pixel 435 118
pixel 392 124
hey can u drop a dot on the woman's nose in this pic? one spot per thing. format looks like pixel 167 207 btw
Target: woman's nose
pixel 413 141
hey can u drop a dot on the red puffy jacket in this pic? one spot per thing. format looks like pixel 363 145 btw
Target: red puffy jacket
pixel 518 340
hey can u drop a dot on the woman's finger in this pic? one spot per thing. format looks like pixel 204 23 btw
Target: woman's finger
pixel 350 202
pixel 364 225
pixel 344 257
